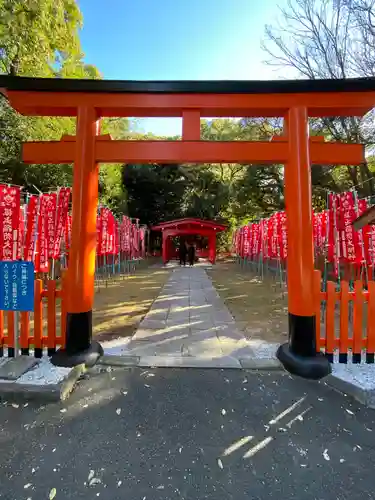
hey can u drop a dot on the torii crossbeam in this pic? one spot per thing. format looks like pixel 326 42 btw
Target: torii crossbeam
pixel 295 101
pixel 252 152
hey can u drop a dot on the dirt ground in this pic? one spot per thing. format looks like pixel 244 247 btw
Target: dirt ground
pixel 119 308
pixel 259 307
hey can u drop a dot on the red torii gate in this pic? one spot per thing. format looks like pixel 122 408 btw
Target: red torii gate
pixel 187 227
pixel 89 100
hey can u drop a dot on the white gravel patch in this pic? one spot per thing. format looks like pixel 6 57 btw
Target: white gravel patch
pixel 361 375
pixel 44 373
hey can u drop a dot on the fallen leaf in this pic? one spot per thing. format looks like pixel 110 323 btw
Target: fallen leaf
pixel 118 411
pixel 15 405
pixel 350 412
pixel 91 475
pixel 325 455
pixel 119 484
pixel 220 463
pixel 27 486
pixel 94 480
pixel 52 494
pixel 223 412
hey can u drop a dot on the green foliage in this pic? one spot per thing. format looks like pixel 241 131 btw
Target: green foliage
pixel 154 192
pixel 36 36
pixel 41 38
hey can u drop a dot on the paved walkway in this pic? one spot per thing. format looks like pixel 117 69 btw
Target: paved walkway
pixel 189 325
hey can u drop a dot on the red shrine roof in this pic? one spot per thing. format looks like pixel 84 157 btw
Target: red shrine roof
pixel 189 223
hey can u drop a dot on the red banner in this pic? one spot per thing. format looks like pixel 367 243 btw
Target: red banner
pixel 51 200
pixel 21 234
pixel 110 234
pixel 63 199
pixel 31 228
pixel 246 241
pixel 283 236
pixel 10 202
pixel 68 232
pixel 41 261
pixel 362 240
pixel 347 216
pixel 103 233
pixel 127 234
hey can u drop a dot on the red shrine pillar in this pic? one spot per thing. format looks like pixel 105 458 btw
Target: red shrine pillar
pixel 81 270
pixel 299 356
pixel 212 248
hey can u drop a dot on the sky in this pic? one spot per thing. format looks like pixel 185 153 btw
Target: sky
pixel 177 40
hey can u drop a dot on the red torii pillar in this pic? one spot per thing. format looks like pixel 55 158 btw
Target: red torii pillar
pixel 298 204
pixel 81 271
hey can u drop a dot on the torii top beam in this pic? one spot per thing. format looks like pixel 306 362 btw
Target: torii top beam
pixel 62 97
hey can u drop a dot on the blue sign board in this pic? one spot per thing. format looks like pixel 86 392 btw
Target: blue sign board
pixel 16 286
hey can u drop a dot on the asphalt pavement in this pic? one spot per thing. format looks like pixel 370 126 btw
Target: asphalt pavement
pixel 163 434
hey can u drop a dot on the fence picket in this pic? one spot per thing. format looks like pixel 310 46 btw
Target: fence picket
pixel 10 339
pixel 38 319
pixel 344 322
pixel 370 348
pixel 357 321
pixel 318 307
pixel 330 320
pixel 63 309
pixel 24 332
pixel 51 314
pixel 1 333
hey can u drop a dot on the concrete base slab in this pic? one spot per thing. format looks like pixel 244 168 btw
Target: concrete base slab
pixel 113 360
pixel 260 364
pixel 189 362
pixel 13 368
pixel 33 386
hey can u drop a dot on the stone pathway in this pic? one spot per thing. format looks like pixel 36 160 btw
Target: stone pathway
pixel 189 325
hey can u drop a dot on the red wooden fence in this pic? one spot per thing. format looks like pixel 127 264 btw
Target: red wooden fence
pixel 42 329
pixel 345 320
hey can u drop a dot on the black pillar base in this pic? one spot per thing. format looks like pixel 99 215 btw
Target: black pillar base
pixel 311 367
pixel 299 356
pixel 79 346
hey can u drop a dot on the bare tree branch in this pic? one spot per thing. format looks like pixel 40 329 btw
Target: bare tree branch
pixel 329 39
